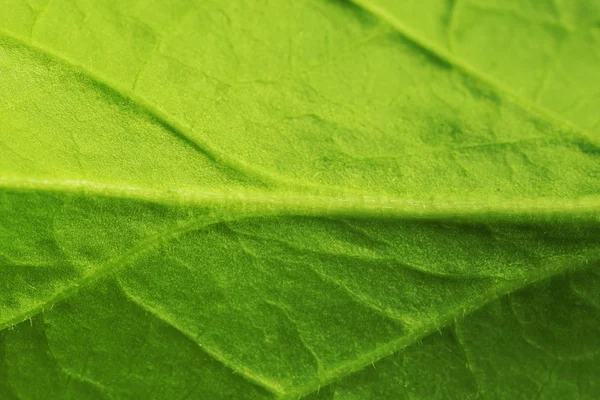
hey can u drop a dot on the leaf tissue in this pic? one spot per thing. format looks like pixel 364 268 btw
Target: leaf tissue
pixel 320 199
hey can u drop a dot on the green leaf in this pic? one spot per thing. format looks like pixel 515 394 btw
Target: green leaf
pixel 289 199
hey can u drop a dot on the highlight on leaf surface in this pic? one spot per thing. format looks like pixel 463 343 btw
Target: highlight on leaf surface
pixel 365 199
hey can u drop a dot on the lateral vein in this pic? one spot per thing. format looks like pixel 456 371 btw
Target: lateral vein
pixel 349 367
pixel 272 386
pixel 468 69
pixel 109 267
pixel 184 134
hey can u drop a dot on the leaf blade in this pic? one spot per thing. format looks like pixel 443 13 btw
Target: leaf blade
pixel 285 140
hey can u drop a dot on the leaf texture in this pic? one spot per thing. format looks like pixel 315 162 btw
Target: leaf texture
pixel 321 199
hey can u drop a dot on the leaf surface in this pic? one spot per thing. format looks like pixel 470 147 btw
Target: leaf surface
pixel 254 200
pixel 546 51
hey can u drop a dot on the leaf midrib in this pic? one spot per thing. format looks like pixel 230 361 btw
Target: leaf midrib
pixel 255 203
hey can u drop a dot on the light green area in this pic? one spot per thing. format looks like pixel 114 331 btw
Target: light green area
pixel 279 199
pixel 546 51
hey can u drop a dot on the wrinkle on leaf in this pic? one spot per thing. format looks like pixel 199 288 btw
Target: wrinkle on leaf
pixel 90 278
pixel 282 310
